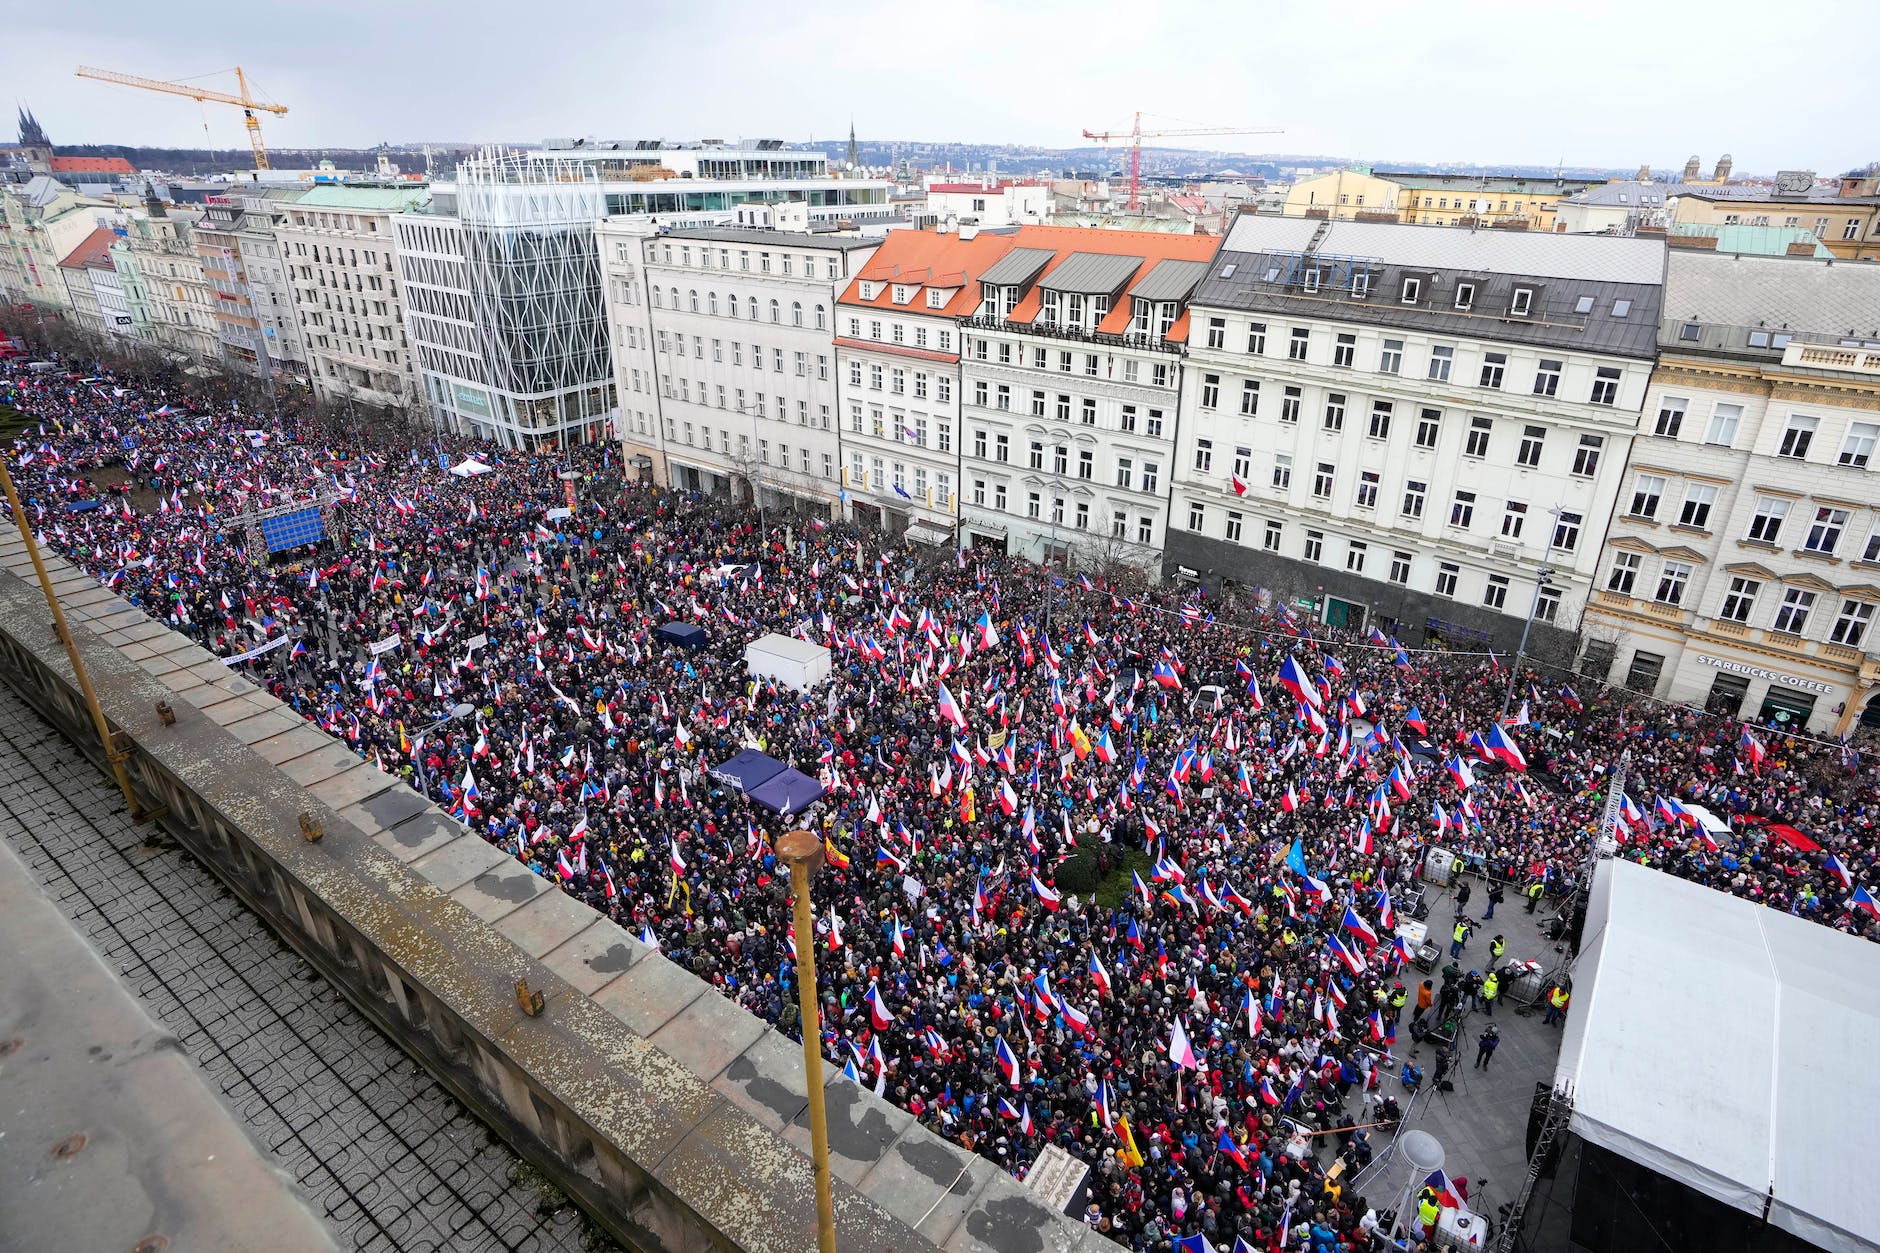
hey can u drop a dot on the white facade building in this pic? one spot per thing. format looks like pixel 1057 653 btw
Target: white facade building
pixel 1742 571
pixel 114 308
pixel 724 356
pixel 338 244
pixel 897 355
pixel 1419 427
pixel 989 203
pixel 1071 374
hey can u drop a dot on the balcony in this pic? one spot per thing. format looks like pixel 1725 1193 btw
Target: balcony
pixel 1844 358
pixel 1053 330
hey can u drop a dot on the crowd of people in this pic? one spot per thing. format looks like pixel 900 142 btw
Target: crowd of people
pixel 1125 885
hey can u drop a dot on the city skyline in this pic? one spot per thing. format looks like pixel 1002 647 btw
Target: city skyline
pixel 1398 86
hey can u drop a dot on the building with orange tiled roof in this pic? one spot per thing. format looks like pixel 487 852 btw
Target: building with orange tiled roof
pixel 75 273
pixel 1070 386
pixel 898 368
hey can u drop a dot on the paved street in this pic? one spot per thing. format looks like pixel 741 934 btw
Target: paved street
pixel 390 1160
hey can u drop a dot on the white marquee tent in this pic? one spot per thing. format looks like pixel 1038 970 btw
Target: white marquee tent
pixel 1730 1047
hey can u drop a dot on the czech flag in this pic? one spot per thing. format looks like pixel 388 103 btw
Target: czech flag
pixel 1294 680
pixel 1076 1020
pixel 1350 960
pixel 1414 720
pixel 1359 927
pixel 1180 1051
pixel 1460 772
pixel 1002 1053
pixel 1165 675
pixel 1834 867
pixel 877 1010
pixel 1050 897
pixel 988 634
pixel 1099 976
pixel 1226 1145
pixel 1863 900
pixel 948 709
pixel 1502 747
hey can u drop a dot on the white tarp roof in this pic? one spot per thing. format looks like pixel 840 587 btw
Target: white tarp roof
pixel 469 466
pixel 1710 821
pixel 1729 1047
pixel 788 646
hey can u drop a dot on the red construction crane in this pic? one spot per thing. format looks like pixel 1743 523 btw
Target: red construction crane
pixel 1135 135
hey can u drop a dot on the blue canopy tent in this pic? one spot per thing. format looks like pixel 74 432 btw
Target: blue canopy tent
pixel 787 793
pixel 747 770
pixel 80 506
pixel 684 634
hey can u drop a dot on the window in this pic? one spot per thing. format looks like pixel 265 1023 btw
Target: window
pixel 1851 627
pixel 1088 412
pixel 1256 339
pixel 1345 350
pixel 1532 440
pixel 1479 431
pixel 1465 295
pixel 1037 454
pixel 1210 391
pixel 998 497
pixel 1126 422
pixel 1086 464
pixel 1851 230
pixel 1354 556
pixel 1145 529
pixel 1698 498
pixel 1513 519
pixel 1647 489
pixel 1380 419
pixel 1723 423
pixel 1825 535
pixel 1672 581
pixel 1766 526
pixel 1494 365
pixel 1446 573
pixel 1233 527
pixel 979 444
pixel 1547 605
pixel 1152 425
pixel 1400 567
pixel 1243 463
pixel 1415 493
pixel 1290 403
pixel 1621 308
pixel 1740 600
pixel 1217 332
pixel 1670 416
pixel 1523 302
pixel 1282 471
pixel 1442 357
pixel 1197 515
pixel 1063 410
pixel 1334 411
pixel 1586 456
pixel 1567 531
pixel 1623 574
pixel 1792 613
pixel 1857 448
pixel 1872 552
pixel 1204 455
pixel 1149 476
pixel 1797 436
pixel 1315 546
pixel 1390 360
pixel 1119 525
pixel 1495 594
pixel 1429 427
pixel 1275 532
pixel 1367 489
pixel 1322 480
pixel 1462 509
pixel 1001 448
pixel 1249 398
pixel 1060 460
pixel 1412 290
pixel 1296 346
pixel 1605 385
pixel 1547 377
pixel 1125 473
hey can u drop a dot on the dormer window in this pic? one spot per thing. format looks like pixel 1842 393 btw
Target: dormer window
pixel 1361 285
pixel 1272 274
pixel 1412 290
pixel 870 290
pixel 1048 308
pixel 1523 303
pixel 1465 295
pixel 936 298
pixel 1583 305
pixel 1142 320
pixel 1312 279
pixel 1620 308
pixel 902 293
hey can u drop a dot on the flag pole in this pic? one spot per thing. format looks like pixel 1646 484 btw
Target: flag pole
pixel 803 853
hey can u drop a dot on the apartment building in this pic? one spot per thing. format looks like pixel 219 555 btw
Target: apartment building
pixel 41 222
pixel 218 240
pixel 75 272
pixel 723 355
pixel 166 281
pixel 1742 571
pixel 1421 428
pixel 1070 391
pixel 898 361
pixel 1843 213
pixel 337 244
pixel 504 272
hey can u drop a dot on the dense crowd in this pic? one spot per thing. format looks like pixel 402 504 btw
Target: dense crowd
pixel 1246 793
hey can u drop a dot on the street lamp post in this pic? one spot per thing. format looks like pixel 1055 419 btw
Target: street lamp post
pixel 1057 505
pixel 1540 584
pixel 803 853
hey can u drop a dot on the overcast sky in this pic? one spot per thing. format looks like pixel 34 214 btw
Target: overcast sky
pixel 1595 83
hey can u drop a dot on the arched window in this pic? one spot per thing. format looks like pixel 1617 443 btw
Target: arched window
pixel 711 303
pixel 753 307
pixel 675 297
pixel 693 296
pixel 796 313
pixel 657 302
pixel 776 312
pixel 822 318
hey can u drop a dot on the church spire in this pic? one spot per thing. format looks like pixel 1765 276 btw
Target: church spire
pixel 855 154
pixel 32 135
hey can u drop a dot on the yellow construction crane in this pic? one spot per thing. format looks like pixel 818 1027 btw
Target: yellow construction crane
pixel 245 100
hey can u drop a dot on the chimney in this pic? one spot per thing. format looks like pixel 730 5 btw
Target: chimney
pixel 968 230
pixel 1723 168
pixel 1690 170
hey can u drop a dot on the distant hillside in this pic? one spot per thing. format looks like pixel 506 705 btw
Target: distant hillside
pixel 206 161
